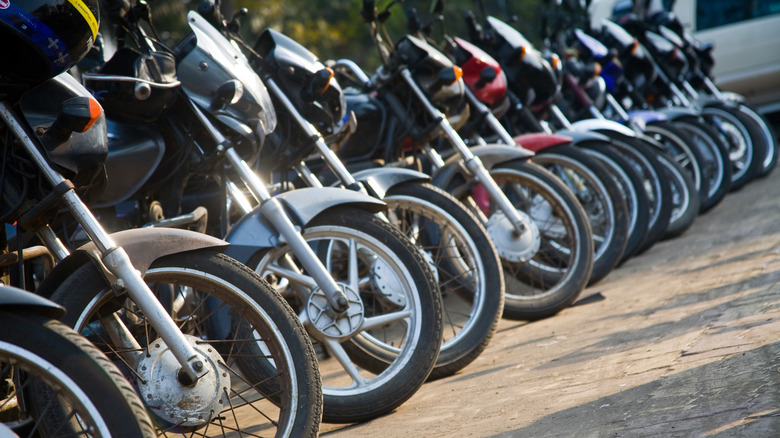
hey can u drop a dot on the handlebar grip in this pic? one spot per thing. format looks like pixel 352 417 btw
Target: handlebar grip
pixel 208 10
pixel 473 27
pixel 369 10
pixel 116 8
pixel 412 23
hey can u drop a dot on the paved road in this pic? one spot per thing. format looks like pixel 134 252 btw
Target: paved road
pixel 681 341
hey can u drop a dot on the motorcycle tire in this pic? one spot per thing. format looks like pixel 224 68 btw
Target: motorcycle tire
pixel 632 190
pixel 684 195
pixel 387 344
pixel 644 159
pixel 600 197
pixel 55 383
pixel 555 275
pixel 264 372
pixel 681 147
pixel 738 131
pixel 717 167
pixel 470 278
pixel 769 138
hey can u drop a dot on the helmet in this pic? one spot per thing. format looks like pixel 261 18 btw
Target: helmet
pixel 43 38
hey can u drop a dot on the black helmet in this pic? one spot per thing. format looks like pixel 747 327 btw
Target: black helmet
pixel 43 38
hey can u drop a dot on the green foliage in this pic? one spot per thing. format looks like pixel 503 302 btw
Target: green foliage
pixel 335 29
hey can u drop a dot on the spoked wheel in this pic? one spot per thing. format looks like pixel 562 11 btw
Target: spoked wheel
pixel 547 266
pixel 54 383
pixel 716 167
pixel 600 197
pixel 769 138
pixel 681 148
pixel 644 160
pixel 684 196
pixel 381 350
pixel 632 190
pixel 746 155
pixel 262 372
pixel 467 268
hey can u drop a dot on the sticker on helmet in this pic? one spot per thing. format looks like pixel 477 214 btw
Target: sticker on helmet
pixel 86 13
pixel 4 4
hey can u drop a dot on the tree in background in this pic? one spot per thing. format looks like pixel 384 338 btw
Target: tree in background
pixel 334 28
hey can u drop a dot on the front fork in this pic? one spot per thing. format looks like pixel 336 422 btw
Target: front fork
pixel 273 210
pixel 114 258
pixel 472 162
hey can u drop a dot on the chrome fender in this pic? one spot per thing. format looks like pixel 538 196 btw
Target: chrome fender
pixel 381 179
pixel 582 136
pixel 143 245
pixel 491 155
pixel 12 298
pixel 602 125
pixel 253 231
pixel 676 113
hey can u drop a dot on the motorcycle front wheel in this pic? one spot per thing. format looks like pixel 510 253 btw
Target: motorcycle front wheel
pixel 262 371
pixel 380 351
pixel 467 268
pixel 600 197
pixel 54 383
pixel 553 275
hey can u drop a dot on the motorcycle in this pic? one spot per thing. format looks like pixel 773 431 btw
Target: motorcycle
pixel 408 109
pixel 675 204
pixel 668 64
pixel 188 377
pixel 360 288
pixel 312 121
pixel 41 394
pixel 594 187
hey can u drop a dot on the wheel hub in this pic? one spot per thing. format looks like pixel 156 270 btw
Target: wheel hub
pixel 332 324
pixel 387 283
pixel 510 246
pixel 185 406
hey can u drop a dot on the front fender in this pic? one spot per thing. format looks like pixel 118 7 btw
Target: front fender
pixel 538 141
pixel 142 245
pixel 578 137
pixel 602 125
pixel 12 298
pixel 676 113
pixel 253 231
pixel 381 179
pixel 491 156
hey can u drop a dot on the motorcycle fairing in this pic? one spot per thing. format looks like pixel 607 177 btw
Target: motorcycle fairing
pixel 253 231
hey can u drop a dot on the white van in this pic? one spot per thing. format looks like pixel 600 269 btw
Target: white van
pixel 746 36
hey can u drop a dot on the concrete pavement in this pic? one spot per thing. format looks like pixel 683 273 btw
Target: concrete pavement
pixel 682 341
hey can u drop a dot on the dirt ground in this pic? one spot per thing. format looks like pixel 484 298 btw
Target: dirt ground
pixel 680 341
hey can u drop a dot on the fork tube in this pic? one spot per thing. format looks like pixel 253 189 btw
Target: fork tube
pixel 53 243
pixel 115 259
pixel 472 162
pixel 273 210
pixel 494 123
pixel 330 157
pixel 560 116
pixel 617 107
